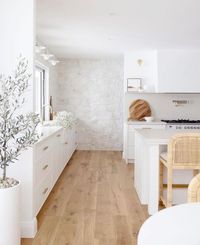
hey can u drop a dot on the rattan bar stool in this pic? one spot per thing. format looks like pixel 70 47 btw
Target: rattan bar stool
pixel 194 189
pixel 183 153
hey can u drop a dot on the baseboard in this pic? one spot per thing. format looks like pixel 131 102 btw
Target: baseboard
pixel 29 228
pixel 127 160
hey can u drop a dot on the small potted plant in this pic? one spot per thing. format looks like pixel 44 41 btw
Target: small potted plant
pixel 17 133
pixel 65 119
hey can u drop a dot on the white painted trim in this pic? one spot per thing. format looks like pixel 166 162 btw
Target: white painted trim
pixel 153 178
pixel 29 229
pixel 41 65
pixel 46 68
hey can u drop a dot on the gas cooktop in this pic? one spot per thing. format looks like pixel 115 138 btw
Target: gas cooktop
pixel 182 121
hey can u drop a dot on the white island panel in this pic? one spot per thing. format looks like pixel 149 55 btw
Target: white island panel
pixel 149 145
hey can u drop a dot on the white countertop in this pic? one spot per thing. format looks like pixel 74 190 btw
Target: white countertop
pixel 134 122
pixel 160 136
pixel 46 132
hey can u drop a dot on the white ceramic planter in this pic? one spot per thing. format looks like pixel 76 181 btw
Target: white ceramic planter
pixel 10 216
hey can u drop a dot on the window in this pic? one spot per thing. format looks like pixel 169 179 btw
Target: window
pixel 41 92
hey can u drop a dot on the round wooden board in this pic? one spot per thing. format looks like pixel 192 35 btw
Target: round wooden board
pixel 139 109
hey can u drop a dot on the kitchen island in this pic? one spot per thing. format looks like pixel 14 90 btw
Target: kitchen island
pixel 148 146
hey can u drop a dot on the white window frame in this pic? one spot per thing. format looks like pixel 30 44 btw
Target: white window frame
pixel 46 81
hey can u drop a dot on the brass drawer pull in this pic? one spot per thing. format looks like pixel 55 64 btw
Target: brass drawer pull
pixel 66 143
pixel 58 135
pixel 45 191
pixel 45 148
pixel 45 167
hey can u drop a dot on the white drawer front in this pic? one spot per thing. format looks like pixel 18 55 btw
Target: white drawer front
pixel 43 192
pixel 43 167
pixel 66 136
pixel 42 149
pixel 59 135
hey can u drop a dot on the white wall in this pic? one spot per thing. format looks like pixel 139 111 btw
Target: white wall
pixel 93 90
pixel 165 63
pixel 17 37
pixel 164 70
pixel 147 71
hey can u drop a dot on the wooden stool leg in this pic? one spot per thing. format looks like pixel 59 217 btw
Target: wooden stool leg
pixel 169 186
pixel 161 180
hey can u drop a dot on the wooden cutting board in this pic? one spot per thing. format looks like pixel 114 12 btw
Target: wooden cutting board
pixel 139 109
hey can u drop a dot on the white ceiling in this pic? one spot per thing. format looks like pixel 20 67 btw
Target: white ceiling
pixel 99 28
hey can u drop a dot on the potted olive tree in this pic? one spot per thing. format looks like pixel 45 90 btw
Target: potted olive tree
pixel 17 133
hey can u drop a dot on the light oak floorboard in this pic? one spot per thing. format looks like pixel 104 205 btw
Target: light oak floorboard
pixel 93 203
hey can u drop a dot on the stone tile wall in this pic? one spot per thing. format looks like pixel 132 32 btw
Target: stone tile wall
pixel 93 91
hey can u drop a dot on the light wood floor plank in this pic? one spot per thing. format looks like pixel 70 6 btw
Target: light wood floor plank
pixel 93 203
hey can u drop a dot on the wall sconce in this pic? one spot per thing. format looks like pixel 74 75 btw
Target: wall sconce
pixel 47 56
pixel 39 48
pixel 140 62
pixel 54 62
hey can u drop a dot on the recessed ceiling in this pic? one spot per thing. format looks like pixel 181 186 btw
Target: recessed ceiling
pixel 103 28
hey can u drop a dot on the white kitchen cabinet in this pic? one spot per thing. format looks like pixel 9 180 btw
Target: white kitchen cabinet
pixel 50 158
pixel 42 192
pixel 178 71
pixel 66 145
pixel 43 160
pixel 129 137
pixel 38 170
pixel 57 155
pixel 69 142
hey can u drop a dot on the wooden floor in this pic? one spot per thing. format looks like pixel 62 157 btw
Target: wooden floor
pixel 93 203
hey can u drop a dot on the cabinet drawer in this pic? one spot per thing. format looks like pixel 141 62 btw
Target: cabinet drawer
pixel 43 192
pixel 43 167
pixel 42 149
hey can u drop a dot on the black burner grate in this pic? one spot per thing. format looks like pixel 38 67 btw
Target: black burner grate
pixel 181 121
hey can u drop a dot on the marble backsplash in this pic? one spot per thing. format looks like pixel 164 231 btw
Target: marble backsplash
pixel 163 107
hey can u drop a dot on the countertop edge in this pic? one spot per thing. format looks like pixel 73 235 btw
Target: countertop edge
pixel 145 123
pixel 47 136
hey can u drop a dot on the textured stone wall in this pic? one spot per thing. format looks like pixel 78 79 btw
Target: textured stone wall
pixel 93 91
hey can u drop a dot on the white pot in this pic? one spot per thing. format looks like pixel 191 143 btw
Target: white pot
pixel 10 216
